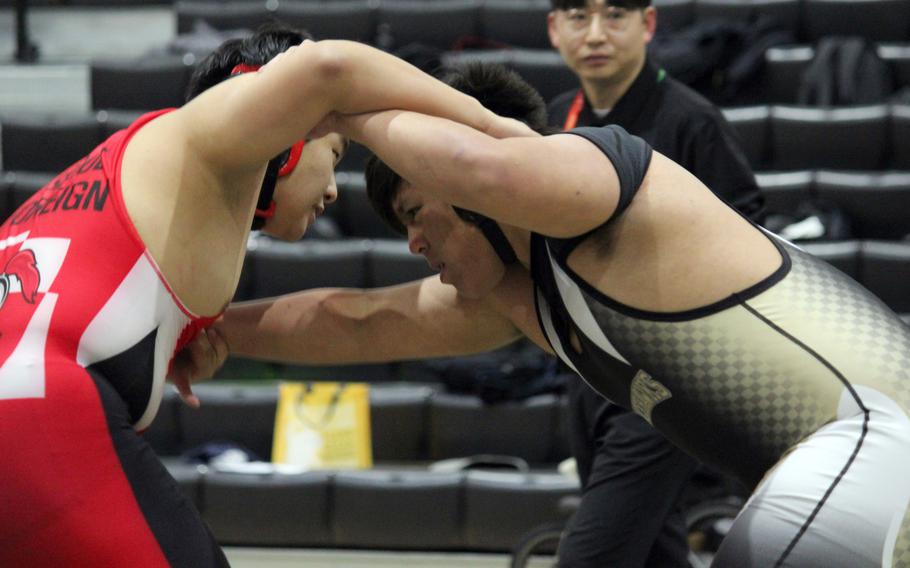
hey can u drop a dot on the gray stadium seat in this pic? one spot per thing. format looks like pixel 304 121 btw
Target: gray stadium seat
pixel 900 137
pixel 877 204
pixel 462 426
pixel 439 24
pixel 5 199
pixel 878 20
pixel 339 19
pixel 354 159
pixel 398 509
pixel 886 272
pixel 752 126
pixel 239 15
pixel 113 120
pixel 501 505
pixel 851 138
pixel 784 13
pixel 843 255
pixel 520 23
pixel 46 143
pixel 782 73
pixel 269 510
pixel 146 84
pixel 390 262
pixel 674 15
pixel 785 191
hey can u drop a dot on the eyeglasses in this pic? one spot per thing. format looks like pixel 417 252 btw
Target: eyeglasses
pixel 613 18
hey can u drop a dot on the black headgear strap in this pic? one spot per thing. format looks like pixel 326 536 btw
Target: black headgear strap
pixel 492 232
pixel 267 191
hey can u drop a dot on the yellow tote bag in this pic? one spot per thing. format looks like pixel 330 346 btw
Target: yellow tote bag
pixel 323 425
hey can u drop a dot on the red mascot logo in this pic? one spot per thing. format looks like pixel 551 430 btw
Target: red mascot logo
pixel 24 267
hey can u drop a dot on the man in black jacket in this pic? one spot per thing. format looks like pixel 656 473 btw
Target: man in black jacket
pixel 632 478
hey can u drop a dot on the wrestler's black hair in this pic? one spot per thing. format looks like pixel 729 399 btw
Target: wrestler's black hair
pixel 629 4
pixel 498 88
pixel 257 49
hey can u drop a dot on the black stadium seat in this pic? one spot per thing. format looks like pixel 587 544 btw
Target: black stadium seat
pixel 851 138
pixel 46 143
pixel 878 20
pixel 499 505
pixel 269 510
pixel 752 127
pixel 877 204
pixel 886 272
pixel 900 137
pixel 439 24
pixel 782 72
pixel 898 58
pixel 784 13
pixel 398 509
pixel 458 423
pixel 339 19
pixel 353 212
pixel 146 84
pixel 785 191
pixel 22 185
pixel 545 70
pixel 276 268
pixel 674 15
pixel 239 15
pixel 519 23
pixel 390 262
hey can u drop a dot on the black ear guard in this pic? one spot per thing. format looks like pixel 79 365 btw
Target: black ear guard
pixel 492 232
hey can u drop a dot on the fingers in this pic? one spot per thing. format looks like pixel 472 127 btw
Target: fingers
pixel 185 389
pixel 199 360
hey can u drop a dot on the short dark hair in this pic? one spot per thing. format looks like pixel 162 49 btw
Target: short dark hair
pixel 257 49
pixel 498 88
pixel 629 4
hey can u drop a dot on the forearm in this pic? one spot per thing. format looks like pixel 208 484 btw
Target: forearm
pixel 371 80
pixel 299 328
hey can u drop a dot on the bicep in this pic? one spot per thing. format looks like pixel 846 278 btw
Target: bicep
pixel 559 185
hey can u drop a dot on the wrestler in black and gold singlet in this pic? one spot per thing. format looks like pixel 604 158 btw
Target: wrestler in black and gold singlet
pixel 799 384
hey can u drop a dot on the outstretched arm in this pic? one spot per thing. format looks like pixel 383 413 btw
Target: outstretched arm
pixel 560 185
pixel 247 120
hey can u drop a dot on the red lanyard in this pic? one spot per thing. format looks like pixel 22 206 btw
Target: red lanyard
pixel 574 110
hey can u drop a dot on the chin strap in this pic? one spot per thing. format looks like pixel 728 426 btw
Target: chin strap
pixel 492 232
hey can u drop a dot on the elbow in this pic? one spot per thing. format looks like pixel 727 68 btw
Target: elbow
pixel 330 62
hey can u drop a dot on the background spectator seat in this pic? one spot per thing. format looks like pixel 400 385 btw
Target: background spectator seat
pixel 782 72
pixel 783 13
pixel 518 23
pixel 17 187
pixel 752 126
pixel 877 204
pixel 900 136
pixel 439 24
pixel 353 212
pixel 390 262
pixel 849 138
pixel 878 20
pixel 886 272
pixel 785 191
pixel 144 84
pixel 236 15
pixel 339 19
pixel 674 15
pixel 46 143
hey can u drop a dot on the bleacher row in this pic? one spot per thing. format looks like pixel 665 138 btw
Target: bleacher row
pixel 398 504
